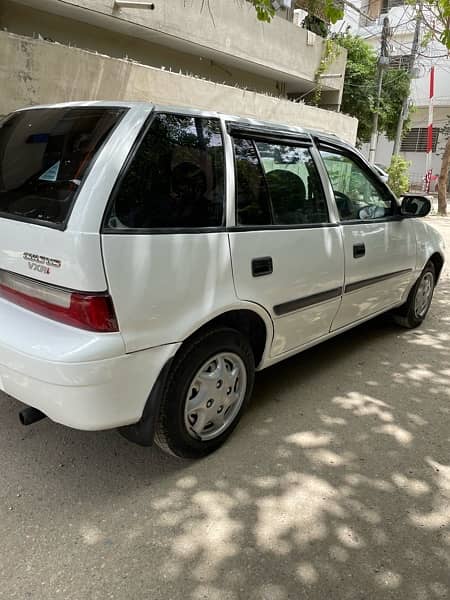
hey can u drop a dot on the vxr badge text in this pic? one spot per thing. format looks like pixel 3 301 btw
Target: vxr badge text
pixel 42 264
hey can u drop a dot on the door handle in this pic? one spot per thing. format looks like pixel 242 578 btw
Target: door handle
pixel 262 266
pixel 359 250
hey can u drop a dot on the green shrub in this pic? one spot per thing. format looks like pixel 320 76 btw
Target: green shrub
pixel 398 175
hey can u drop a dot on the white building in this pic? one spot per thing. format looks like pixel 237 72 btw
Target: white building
pixel 402 22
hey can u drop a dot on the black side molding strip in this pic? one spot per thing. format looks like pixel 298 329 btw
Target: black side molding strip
pixel 351 287
pixel 293 305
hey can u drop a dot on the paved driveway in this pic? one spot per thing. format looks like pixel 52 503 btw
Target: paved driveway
pixel 335 486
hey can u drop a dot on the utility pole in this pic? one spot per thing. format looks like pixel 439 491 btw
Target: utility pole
pixel 412 59
pixel 382 62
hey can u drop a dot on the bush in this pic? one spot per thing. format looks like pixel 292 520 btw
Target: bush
pixel 398 175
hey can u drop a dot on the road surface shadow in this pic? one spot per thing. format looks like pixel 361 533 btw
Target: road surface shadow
pixel 336 484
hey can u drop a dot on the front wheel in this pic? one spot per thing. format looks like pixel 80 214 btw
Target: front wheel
pixel 415 309
pixel 209 385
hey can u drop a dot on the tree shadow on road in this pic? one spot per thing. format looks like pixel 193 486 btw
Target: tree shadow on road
pixel 336 484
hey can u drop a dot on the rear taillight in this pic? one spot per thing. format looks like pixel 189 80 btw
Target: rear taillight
pixel 94 312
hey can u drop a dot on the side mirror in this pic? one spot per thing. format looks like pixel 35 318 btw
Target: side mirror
pixel 415 206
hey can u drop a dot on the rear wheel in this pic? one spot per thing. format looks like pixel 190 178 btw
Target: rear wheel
pixel 209 385
pixel 415 309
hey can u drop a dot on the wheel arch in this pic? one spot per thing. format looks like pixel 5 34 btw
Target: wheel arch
pixel 247 320
pixel 438 262
pixel 253 322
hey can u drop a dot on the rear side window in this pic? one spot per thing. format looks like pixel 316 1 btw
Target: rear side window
pixel 252 198
pixel 294 184
pixel 175 179
pixel 44 156
pixel 277 184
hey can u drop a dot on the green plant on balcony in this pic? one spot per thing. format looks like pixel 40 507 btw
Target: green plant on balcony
pixel 330 53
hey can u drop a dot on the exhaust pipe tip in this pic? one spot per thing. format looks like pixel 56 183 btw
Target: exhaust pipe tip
pixel 30 415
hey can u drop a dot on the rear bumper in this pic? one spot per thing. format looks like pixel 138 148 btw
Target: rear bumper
pixel 73 387
pixel 91 396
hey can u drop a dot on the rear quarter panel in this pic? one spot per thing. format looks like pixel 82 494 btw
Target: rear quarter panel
pixel 165 286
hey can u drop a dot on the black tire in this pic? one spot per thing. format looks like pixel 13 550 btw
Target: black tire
pixel 171 433
pixel 407 315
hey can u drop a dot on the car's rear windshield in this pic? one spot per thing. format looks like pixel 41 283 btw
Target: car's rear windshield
pixel 44 155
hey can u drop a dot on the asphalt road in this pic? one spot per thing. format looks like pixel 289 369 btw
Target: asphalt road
pixel 335 486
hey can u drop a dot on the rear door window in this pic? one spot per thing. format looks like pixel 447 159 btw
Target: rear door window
pixel 44 156
pixel 277 184
pixel 294 184
pixel 252 195
pixel 175 179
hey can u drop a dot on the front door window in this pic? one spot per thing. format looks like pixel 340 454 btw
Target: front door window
pixel 358 196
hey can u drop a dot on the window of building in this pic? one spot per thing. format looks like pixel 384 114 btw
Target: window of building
pixel 416 140
pixel 388 4
pixel 401 61
pixel 176 178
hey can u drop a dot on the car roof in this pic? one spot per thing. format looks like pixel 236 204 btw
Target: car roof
pixel 244 121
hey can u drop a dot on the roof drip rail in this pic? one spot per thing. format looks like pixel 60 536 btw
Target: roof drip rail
pixel 132 4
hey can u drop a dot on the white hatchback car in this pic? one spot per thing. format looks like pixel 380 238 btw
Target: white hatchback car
pixel 152 258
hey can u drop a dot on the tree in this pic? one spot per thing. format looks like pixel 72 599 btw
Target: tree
pixel 359 93
pixel 359 83
pixel 396 84
pixel 436 18
pixel 331 10
pixel 443 175
pixel 264 10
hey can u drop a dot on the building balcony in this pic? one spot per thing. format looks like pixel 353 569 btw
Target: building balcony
pixel 218 40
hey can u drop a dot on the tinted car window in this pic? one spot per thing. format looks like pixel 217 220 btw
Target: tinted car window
pixel 357 196
pixel 176 178
pixel 294 186
pixel 252 200
pixel 44 156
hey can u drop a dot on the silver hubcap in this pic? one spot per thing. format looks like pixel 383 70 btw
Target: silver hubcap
pixel 215 396
pixel 424 295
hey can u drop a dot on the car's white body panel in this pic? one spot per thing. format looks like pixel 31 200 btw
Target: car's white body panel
pixel 166 286
pixel 428 241
pixel 390 247
pixel 81 379
pixel 305 262
pixel 79 253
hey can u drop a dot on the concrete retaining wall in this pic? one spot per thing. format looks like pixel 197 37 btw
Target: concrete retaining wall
pixel 34 71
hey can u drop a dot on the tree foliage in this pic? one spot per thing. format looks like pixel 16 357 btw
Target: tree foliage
pixel 396 84
pixel 436 18
pixel 359 87
pixel 399 175
pixel 359 93
pixel 445 168
pixel 332 10
pixel 264 10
